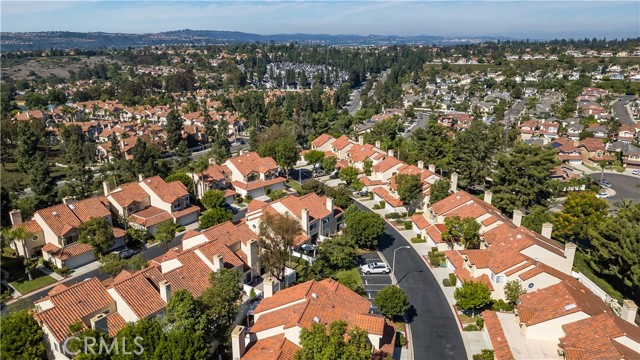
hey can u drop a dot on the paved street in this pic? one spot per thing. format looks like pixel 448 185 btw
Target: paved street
pixel 620 111
pixel 355 103
pixel 625 186
pixel 374 282
pixel 434 329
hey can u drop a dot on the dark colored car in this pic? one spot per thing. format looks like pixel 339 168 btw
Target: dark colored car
pixel 128 253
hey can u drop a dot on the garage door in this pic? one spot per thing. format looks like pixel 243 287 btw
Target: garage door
pixel 80 260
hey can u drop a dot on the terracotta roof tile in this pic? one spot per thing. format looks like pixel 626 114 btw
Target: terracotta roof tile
pixel 127 194
pixel 501 348
pixel 140 292
pixel 66 252
pixel 272 348
pixel 167 192
pixel 115 323
pixel 150 216
pixel 321 140
pixel 594 338
pixel 251 161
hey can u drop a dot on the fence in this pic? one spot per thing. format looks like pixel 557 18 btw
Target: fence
pixel 613 303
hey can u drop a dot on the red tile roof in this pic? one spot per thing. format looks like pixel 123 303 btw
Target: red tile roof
pixel 66 252
pixel 141 293
pixel 251 161
pixel 594 339
pixel 150 216
pixel 167 192
pixel 115 323
pixel 386 164
pixel 76 302
pixel 256 184
pixel 386 196
pixel 566 297
pixel 127 194
pixel 420 221
pixel 321 140
pixel 275 347
pixel 501 348
pixel 341 142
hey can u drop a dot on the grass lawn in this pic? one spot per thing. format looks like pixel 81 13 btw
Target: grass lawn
pixel 466 319
pixel 12 177
pixel 400 326
pixel 350 277
pixel 295 185
pixel 24 286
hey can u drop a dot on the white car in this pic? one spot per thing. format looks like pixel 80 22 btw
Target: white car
pixel 375 268
pixel 602 194
pixel 636 172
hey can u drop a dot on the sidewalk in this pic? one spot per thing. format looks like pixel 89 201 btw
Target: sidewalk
pixel 48 271
pixel 474 341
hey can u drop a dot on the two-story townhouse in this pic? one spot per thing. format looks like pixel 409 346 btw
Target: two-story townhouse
pixel 55 230
pixel 214 176
pixel 341 146
pixel 254 175
pixel 323 143
pixel 567 150
pixel 626 133
pixel 594 151
pixel 630 154
pixel 279 318
pixel 317 215
pixel 150 201
pixel 528 129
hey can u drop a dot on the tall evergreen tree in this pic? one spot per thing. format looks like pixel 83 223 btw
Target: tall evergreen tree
pixel 41 182
pixel 174 129
pixel 27 148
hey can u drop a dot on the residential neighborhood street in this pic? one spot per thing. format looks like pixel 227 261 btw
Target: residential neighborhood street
pixel 434 330
pixel 620 110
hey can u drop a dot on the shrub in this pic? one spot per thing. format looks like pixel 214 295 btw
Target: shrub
pixel 382 204
pixel 418 240
pixel 370 195
pixel 63 271
pixel 248 198
pixel 486 354
pixel 402 340
pixel 238 199
pixel 446 282
pixel 404 214
pixel 480 323
pixel 180 228
pixel 434 249
pixel 408 225
pixel 436 258
pixel 501 305
pixel 278 194
pixel 376 207
pixel 471 327
pixel 419 236
pixel 453 279
pixel 252 293
pixel 393 215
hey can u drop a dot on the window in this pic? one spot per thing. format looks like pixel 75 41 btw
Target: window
pixel 70 239
pixel 499 279
pixel 325 220
pixel 35 238
pixel 252 177
pixel 55 346
pixel 313 226
pixel 176 205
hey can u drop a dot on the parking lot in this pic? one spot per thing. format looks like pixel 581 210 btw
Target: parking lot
pixel 374 282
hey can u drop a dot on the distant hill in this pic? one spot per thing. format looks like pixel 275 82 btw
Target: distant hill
pixel 71 40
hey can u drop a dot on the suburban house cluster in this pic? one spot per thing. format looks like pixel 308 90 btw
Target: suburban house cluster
pixel 143 204
pixel 558 316
pixel 384 167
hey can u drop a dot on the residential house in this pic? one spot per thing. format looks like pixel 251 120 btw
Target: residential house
pixel 630 154
pixel 594 151
pixel 567 150
pixel 215 176
pixel 279 318
pixel 254 175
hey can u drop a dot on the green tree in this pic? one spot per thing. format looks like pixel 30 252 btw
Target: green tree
pixel 212 199
pixel 616 244
pixel 136 238
pixel 537 216
pixel 146 158
pixel 182 155
pixel 512 291
pixel 41 182
pixel 312 186
pixel 174 129
pixel 472 296
pixel 214 216
pixel 185 179
pixel 112 264
pixel 181 345
pixel 329 164
pixel 186 313
pixel 580 212
pixel 166 232
pixel 283 151
pixel 349 175
pixel 276 240
pixel 137 262
pixel 392 302
pixel 521 177
pixel 439 191
pixel 336 344
pixel 472 150
pixel 314 157
pixel 385 131
pixel 341 196
pixel 409 189
pixel 97 233
pixel 430 144
pixel 367 167
pixel 462 230
pixel 364 228
pixel 338 252
pixel 223 299
pixel 22 337
pixel 149 332
pixel 27 146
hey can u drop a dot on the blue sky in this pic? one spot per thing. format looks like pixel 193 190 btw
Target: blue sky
pixel 519 19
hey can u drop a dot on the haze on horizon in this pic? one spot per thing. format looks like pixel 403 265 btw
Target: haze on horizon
pixel 522 19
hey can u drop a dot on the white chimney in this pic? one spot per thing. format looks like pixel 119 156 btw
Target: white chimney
pixel 361 140
pixel 68 200
pixel 218 262
pixel 517 217
pixel 547 228
pixel 106 188
pixel 16 217
pixel 378 144
pixel 304 216
pixel 390 152
pixel 454 182
pixel 629 311
pixel 237 342
pixel 570 254
pixel 432 168
pixel 165 290
pixel 213 161
pixel 329 204
pixel 420 164
pixel 140 177
pixel 487 196
pixel 122 144
pixel 267 288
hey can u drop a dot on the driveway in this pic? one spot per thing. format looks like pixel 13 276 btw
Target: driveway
pixel 434 330
pixel 374 282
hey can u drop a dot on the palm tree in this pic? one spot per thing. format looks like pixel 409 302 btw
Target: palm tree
pixel 19 236
pixel 623 204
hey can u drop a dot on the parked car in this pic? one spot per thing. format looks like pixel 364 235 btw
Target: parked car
pixel 128 253
pixel 375 268
pixel 636 172
pixel 602 194
pixel 606 183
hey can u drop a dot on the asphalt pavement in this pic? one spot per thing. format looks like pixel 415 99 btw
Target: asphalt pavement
pixel 434 330
pixel 620 110
pixel 625 186
pixel 374 282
